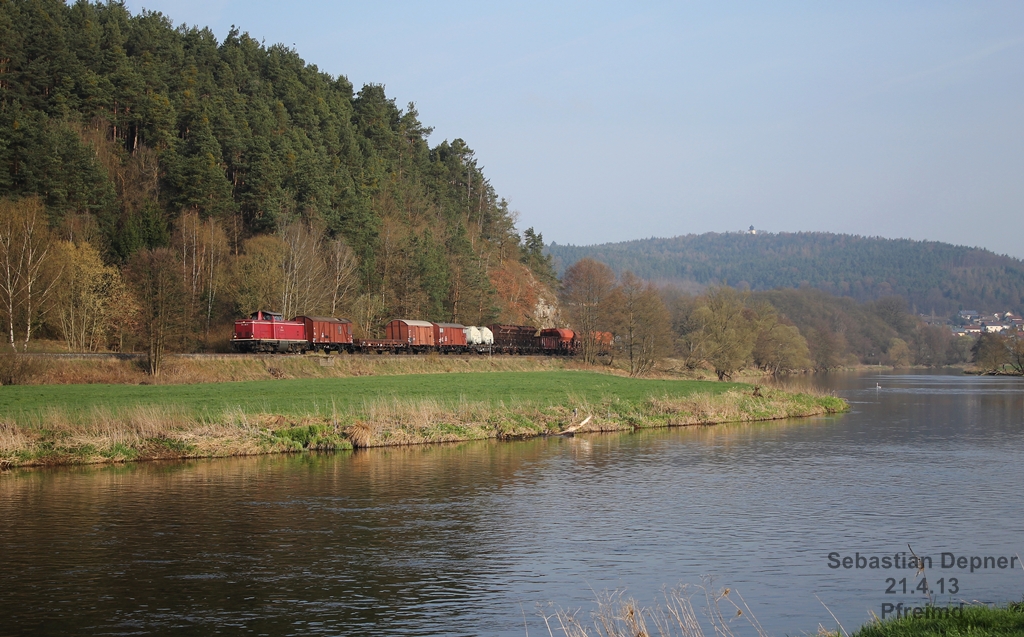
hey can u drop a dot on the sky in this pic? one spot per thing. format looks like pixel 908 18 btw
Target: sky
pixel 609 121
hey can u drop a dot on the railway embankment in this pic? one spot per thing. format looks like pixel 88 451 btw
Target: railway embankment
pixel 56 368
pixel 105 423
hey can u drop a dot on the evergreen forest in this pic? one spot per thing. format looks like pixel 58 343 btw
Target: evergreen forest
pixel 131 147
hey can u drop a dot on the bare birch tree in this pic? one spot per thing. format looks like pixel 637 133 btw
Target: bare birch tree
pixel 318 274
pixel 342 266
pixel 306 277
pixel 202 248
pixel 297 271
pixel 367 312
pixel 25 281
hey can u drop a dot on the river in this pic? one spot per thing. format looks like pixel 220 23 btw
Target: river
pixel 483 538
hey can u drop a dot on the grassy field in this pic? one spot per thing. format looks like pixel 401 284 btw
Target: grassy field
pixel 326 396
pixel 62 424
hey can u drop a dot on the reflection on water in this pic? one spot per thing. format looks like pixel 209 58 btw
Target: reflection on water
pixel 475 538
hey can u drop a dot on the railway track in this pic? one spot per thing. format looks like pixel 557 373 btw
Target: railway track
pixel 131 356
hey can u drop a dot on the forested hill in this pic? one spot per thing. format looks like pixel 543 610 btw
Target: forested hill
pixel 128 128
pixel 929 275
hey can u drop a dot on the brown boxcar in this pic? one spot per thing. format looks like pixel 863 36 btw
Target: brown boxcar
pixel 516 339
pixel 557 341
pixel 326 333
pixel 450 336
pixel 418 334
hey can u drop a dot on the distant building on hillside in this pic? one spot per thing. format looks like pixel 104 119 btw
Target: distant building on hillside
pixel 931 319
pixel 752 231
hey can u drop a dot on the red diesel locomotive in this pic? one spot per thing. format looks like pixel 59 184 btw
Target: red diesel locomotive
pixel 269 332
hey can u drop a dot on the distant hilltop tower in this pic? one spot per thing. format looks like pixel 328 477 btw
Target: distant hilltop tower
pixel 752 231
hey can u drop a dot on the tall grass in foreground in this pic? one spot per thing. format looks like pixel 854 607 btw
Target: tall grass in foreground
pixel 138 432
pixel 618 616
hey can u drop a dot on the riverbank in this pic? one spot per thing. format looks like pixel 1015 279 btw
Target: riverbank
pixel 1006 371
pixel 938 620
pixel 676 368
pixel 676 615
pixel 80 424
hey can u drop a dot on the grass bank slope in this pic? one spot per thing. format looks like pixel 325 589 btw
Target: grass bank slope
pixel 968 621
pixel 110 423
pixel 71 369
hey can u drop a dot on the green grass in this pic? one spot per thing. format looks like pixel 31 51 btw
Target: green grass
pixel 311 437
pixel 325 396
pixel 972 621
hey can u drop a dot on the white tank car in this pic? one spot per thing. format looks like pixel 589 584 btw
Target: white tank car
pixel 472 335
pixel 486 336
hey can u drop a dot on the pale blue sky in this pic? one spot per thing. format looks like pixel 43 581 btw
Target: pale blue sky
pixel 606 121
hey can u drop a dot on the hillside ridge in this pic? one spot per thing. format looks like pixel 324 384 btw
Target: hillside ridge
pixel 930 275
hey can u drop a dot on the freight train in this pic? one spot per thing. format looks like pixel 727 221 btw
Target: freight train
pixel 269 332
